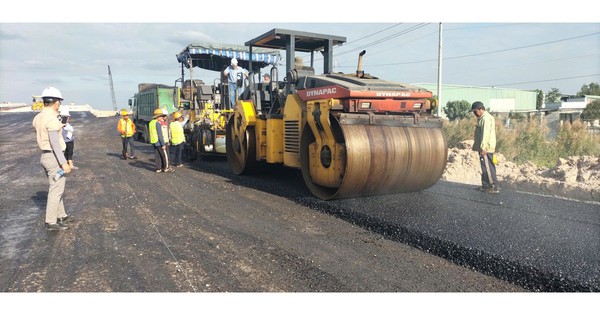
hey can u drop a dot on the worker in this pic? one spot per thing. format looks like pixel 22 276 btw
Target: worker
pixel 266 78
pixel 298 62
pixel 159 137
pixel 68 136
pixel 485 145
pixel 49 139
pixel 126 128
pixel 177 138
pixel 235 75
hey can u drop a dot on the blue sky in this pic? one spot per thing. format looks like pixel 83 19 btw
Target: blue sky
pixel 72 49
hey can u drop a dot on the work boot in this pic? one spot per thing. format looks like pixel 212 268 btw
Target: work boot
pixel 492 190
pixel 66 219
pixel 56 227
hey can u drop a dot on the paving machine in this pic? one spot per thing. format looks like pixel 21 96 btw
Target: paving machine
pixel 208 107
pixel 351 135
pixel 37 103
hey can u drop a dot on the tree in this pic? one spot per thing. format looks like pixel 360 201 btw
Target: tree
pixel 592 89
pixel 553 95
pixel 539 99
pixel 591 111
pixel 457 109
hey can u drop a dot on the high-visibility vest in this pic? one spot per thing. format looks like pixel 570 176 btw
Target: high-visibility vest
pixel 126 127
pixel 177 135
pixel 153 132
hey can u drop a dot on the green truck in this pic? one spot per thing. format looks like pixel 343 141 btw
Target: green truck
pixel 149 97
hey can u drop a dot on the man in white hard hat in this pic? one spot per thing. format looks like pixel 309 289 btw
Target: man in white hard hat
pixel 235 76
pixel 51 143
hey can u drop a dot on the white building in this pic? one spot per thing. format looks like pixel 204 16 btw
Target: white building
pixel 570 108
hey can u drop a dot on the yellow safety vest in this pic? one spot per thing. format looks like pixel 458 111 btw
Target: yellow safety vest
pixel 177 135
pixel 153 132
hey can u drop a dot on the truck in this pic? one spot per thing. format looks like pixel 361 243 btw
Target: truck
pixel 209 108
pixel 149 97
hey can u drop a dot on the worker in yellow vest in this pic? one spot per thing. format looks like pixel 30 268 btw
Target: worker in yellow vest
pixel 126 128
pixel 159 138
pixel 177 139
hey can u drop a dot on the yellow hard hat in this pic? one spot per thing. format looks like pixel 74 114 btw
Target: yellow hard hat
pixel 158 112
pixel 176 115
pixel 124 112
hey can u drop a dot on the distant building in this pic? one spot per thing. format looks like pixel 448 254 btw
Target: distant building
pixel 497 100
pixel 570 107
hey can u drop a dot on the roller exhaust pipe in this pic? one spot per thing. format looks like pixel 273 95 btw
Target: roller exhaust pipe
pixel 359 71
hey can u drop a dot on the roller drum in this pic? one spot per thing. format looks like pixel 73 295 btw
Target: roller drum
pixel 386 160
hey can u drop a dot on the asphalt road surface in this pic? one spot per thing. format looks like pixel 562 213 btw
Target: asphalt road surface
pixel 203 229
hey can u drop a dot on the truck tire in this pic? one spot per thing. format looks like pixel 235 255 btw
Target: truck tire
pixel 146 134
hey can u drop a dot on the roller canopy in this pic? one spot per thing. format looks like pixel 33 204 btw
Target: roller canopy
pixel 217 57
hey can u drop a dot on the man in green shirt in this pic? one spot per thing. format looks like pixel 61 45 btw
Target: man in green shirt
pixel 485 145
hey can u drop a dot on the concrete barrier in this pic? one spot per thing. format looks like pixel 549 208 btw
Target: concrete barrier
pixel 22 107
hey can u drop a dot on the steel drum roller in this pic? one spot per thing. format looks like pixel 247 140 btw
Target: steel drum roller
pixel 384 160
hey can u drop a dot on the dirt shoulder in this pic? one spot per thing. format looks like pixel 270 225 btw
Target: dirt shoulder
pixel 575 177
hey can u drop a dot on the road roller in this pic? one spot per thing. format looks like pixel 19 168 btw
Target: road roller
pixel 351 135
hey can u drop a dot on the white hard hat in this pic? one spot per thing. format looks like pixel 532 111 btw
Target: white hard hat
pixel 64 112
pixel 52 92
pixel 233 61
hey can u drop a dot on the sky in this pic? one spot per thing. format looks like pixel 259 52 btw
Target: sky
pixel 505 47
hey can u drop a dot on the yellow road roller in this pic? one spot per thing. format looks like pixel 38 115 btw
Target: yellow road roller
pixel 352 135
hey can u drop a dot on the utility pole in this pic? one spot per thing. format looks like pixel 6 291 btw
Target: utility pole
pixel 439 83
pixel 112 89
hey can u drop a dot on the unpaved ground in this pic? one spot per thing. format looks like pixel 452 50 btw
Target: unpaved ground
pixel 575 177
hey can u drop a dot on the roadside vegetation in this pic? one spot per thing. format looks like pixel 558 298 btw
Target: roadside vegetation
pixel 529 140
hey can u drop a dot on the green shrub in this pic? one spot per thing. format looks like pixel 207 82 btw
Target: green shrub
pixel 575 140
pixel 459 130
pixel 530 144
pixel 457 110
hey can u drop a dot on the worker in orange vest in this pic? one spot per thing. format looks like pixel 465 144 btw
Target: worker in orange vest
pixel 126 128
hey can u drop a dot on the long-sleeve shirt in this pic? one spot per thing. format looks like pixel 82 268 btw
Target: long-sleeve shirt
pixel 163 133
pixel 485 133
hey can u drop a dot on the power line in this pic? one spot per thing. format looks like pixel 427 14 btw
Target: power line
pixel 548 80
pixel 378 41
pixel 486 53
pixel 381 40
pixel 372 34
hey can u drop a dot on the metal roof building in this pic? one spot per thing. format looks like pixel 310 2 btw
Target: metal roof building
pixel 498 100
